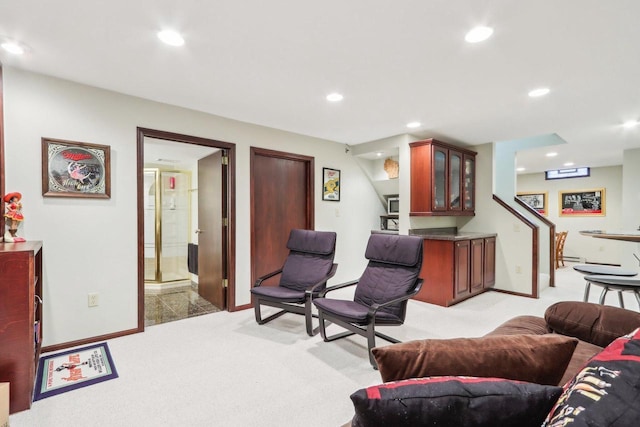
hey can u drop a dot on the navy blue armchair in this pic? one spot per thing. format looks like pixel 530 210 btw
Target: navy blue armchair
pixel 304 274
pixel 381 293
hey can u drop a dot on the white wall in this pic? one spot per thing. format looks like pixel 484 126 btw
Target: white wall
pixel 90 244
pixel 630 206
pixel 514 240
pixel 576 245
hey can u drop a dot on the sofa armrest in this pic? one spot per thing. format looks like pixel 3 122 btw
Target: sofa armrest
pixel 593 323
pixel 531 325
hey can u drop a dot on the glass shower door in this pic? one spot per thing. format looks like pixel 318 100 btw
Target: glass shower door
pixel 166 225
pixel 175 225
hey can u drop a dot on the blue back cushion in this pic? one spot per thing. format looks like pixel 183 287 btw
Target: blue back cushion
pixel 393 269
pixel 310 258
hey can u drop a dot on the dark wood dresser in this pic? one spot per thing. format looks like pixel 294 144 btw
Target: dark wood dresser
pixel 20 319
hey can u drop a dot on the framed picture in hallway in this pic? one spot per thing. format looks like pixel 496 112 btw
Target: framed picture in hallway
pixel 537 200
pixel 582 202
pixel 75 169
pixel 331 185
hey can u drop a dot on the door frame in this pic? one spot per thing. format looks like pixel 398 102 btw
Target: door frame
pixel 228 206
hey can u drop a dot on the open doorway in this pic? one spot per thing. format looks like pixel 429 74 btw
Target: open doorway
pixel 185 216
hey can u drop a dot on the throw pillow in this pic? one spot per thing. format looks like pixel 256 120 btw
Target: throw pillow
pixel 605 392
pixel 540 359
pixel 453 401
pixel 594 323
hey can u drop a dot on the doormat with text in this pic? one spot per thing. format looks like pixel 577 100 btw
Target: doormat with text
pixel 81 367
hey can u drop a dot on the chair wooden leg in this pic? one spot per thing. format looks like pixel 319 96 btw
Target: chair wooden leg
pixel 256 310
pixel 371 343
pixel 321 326
pixel 308 317
pixel 258 314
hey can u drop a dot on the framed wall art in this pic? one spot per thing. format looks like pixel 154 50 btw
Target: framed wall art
pixel 538 200
pixel 582 202
pixel 75 169
pixel 331 185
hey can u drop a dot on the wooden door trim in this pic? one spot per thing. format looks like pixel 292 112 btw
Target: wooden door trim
pixel 2 177
pixel 229 204
pixel 310 202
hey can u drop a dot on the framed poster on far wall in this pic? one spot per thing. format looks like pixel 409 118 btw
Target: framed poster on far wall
pixel 537 200
pixel 582 202
pixel 330 184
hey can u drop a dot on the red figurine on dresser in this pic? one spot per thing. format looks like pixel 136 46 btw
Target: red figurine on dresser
pixel 14 217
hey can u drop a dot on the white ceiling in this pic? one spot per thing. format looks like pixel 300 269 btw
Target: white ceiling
pixel 273 62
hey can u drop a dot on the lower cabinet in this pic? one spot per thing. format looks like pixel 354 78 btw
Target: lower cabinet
pixel 454 270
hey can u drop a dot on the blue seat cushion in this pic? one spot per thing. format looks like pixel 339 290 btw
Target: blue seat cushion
pixel 279 293
pixel 353 312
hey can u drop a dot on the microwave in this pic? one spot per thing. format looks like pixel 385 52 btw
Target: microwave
pixel 393 206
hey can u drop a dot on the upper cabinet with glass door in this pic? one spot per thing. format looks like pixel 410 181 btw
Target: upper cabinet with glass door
pixel 442 179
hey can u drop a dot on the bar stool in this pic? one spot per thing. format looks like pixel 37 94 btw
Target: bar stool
pixel 592 270
pixel 616 283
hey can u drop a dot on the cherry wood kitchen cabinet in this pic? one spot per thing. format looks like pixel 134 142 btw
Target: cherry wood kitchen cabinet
pixel 457 267
pixel 20 319
pixel 443 179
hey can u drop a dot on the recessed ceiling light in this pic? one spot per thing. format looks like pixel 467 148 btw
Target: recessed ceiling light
pixel 378 154
pixel 334 97
pixel 478 34
pixel 414 125
pixel 539 92
pixel 520 169
pixel 630 124
pixel 13 47
pixel 568 164
pixel 170 37
pixel 552 154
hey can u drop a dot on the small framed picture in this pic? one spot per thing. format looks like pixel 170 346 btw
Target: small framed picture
pixel 536 200
pixel 393 224
pixel 75 169
pixel 330 185
pixel 582 202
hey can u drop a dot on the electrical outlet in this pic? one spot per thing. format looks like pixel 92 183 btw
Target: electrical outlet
pixel 518 269
pixel 93 300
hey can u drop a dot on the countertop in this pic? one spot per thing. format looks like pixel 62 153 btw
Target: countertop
pixel 626 235
pixel 448 234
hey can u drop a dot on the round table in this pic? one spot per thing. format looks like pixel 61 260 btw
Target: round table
pixel 616 283
pixel 594 271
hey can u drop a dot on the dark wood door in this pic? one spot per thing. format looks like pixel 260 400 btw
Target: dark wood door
pixel 281 199
pixel 462 263
pixel 477 264
pixel 489 262
pixel 211 230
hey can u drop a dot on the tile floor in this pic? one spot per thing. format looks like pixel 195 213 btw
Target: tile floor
pixel 175 304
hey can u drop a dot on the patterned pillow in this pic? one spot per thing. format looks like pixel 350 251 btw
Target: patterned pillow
pixel 454 401
pixel 606 392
